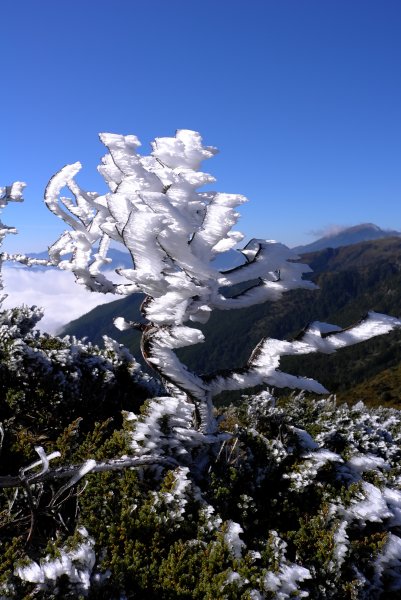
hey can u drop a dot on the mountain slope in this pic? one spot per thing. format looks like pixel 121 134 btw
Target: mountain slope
pixel 383 388
pixel 99 322
pixel 352 280
pixel 350 235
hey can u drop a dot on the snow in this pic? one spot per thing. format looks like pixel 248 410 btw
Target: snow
pixel 232 577
pixel 389 563
pixel 341 544
pixel 393 499
pixel 232 539
pixel 177 499
pixel 327 338
pixel 284 582
pixel 43 462
pixel 76 564
pixel 305 439
pixel 54 187
pixel 366 462
pixel 167 430
pixel 183 150
pixel 373 508
pixel 313 463
pixel 121 324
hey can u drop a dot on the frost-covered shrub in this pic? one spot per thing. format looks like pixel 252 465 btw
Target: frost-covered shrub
pixel 75 565
pixel 61 399
pixel 47 383
pixel 286 513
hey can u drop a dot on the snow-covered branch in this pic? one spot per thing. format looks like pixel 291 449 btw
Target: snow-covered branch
pixel 14 193
pixel 173 233
pixel 75 472
pixel 263 364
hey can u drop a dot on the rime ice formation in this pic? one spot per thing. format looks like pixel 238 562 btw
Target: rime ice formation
pixel 76 564
pixel 173 232
pixel 12 193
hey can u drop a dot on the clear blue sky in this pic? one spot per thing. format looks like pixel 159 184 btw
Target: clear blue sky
pixel 302 97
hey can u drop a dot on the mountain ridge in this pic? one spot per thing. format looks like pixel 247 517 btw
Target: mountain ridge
pixel 347 236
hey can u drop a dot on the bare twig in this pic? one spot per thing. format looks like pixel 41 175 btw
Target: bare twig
pixel 32 506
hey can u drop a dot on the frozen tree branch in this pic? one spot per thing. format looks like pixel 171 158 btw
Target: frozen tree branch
pixel 263 364
pixel 173 233
pixel 75 472
pixel 14 193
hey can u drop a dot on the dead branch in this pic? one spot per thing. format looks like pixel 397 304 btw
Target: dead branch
pixel 65 472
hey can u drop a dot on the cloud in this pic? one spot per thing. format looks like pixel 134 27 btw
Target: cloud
pixel 62 299
pixel 328 230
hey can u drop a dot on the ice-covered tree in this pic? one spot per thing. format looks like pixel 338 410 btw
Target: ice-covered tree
pixel 296 500
pixel 173 233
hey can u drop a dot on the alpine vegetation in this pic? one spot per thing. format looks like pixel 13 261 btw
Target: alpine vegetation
pixel 116 485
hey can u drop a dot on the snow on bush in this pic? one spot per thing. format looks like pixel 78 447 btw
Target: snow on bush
pixel 76 565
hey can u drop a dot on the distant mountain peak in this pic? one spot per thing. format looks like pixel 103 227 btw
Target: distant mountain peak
pixel 362 227
pixel 346 236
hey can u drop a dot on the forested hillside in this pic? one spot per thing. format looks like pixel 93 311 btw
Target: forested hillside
pixel 351 280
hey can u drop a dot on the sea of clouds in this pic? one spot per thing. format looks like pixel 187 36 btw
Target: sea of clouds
pixel 62 299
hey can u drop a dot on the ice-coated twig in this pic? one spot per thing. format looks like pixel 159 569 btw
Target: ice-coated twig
pixel 25 482
pixel 28 261
pixel 14 193
pixel 43 462
pixel 10 193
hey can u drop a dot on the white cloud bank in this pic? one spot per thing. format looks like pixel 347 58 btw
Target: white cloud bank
pixel 62 299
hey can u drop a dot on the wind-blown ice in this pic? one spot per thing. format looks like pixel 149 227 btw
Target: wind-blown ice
pixel 11 193
pixel 76 564
pixel 173 233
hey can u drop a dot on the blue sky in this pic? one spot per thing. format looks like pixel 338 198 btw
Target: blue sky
pixel 302 98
